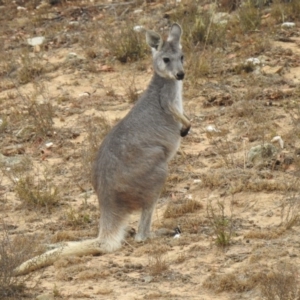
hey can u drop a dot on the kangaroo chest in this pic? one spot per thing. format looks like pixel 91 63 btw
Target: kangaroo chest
pixel 178 96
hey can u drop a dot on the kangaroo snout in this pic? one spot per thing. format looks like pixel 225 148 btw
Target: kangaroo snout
pixel 180 75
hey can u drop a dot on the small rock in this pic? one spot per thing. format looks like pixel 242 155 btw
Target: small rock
pixel 138 28
pixel 71 55
pixel 137 11
pixel 45 297
pixel 49 145
pixel 36 41
pixel 288 24
pixel 21 8
pixel 196 181
pixel 148 279
pixel 84 95
pixel 211 128
pixel 279 140
pixel 74 23
pixel 253 60
pixel 271 70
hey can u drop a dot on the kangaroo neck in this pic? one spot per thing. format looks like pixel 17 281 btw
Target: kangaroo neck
pixel 161 82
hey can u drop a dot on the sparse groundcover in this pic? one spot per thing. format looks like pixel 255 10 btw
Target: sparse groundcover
pixel 40 194
pixel 13 251
pixel 238 216
pixel 125 43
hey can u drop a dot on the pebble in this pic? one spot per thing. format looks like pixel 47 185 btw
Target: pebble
pixel 279 140
pixel 288 24
pixel 211 128
pixel 49 145
pixel 253 60
pixel 138 28
pixel 148 279
pixel 45 297
pixel 36 41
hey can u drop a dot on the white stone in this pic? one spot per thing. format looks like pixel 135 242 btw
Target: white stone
pixel 36 41
pixel 49 145
pixel 279 140
pixel 138 28
pixel 211 128
pixel 253 60
pixel 288 24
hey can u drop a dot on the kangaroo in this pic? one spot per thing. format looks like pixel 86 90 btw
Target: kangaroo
pixel 132 162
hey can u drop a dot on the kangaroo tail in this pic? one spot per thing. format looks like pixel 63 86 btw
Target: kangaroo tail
pixel 88 247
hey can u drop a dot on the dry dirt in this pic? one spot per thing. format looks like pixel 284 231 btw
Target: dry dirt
pixel 255 203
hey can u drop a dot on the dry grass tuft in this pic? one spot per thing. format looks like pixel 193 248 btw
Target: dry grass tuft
pixel 266 234
pixel 37 194
pixel 232 282
pixel 125 44
pixel 221 224
pixel 249 17
pixel 285 11
pixel 78 218
pixel 157 263
pixel 281 283
pixel 13 252
pixel 181 207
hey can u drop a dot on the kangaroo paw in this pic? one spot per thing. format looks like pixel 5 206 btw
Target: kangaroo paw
pixel 185 131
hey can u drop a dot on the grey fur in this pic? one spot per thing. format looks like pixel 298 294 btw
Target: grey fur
pixel 132 162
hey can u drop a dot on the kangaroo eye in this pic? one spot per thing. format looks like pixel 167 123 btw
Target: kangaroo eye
pixel 166 60
pixel 182 57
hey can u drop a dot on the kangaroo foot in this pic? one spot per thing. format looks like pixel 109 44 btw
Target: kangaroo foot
pixel 143 237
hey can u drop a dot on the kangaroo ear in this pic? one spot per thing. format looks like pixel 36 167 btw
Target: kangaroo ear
pixel 153 39
pixel 175 33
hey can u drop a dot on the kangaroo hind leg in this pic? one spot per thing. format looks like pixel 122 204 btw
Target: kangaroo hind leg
pixel 145 223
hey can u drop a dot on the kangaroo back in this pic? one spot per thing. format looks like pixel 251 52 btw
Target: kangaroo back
pixel 132 162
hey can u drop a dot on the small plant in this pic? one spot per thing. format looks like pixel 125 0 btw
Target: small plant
pixel 199 25
pixel 290 210
pixel 77 218
pixel 177 209
pixel 281 283
pixel 221 224
pixel 30 69
pixel 56 292
pixel 285 11
pixel 238 282
pixel 249 17
pixel 157 263
pixel 13 251
pixel 41 193
pixel 132 94
pixel 126 44
pixel 39 112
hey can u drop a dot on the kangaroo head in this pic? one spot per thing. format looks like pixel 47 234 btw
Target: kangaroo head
pixel 167 55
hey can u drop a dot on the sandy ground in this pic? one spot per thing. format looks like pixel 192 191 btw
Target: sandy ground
pixel 211 167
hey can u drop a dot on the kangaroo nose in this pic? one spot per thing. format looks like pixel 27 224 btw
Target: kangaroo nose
pixel 180 75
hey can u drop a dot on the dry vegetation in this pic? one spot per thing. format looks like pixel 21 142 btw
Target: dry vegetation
pixel 233 192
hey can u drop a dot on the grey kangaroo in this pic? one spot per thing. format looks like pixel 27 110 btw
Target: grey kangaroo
pixel 132 163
